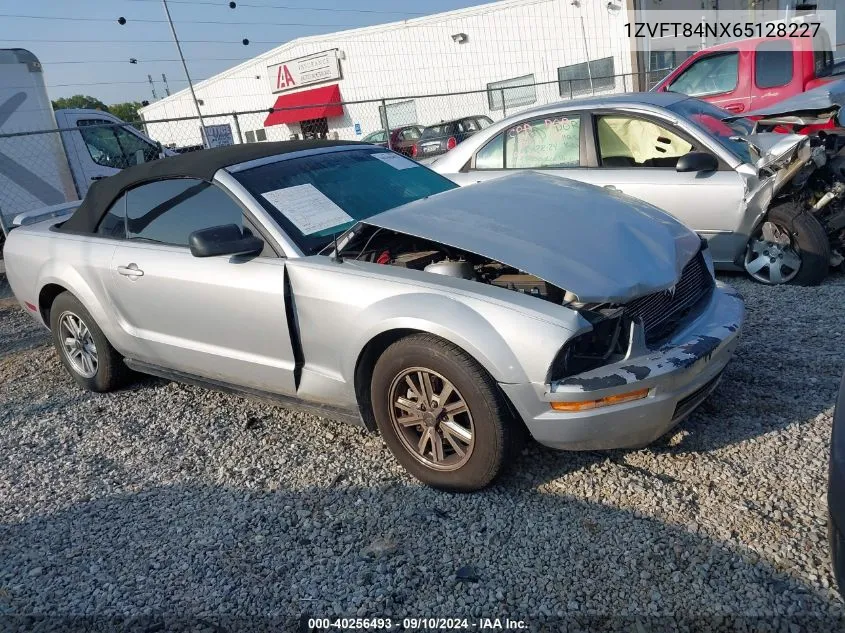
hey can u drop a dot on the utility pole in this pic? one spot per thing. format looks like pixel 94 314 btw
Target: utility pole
pixel 166 85
pixel 185 66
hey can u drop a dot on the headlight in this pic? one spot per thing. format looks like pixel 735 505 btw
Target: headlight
pixel 591 349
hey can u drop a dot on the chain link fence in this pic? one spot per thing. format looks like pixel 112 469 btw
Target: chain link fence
pixel 46 167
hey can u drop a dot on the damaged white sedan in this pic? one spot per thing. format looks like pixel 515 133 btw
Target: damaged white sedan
pixel 354 283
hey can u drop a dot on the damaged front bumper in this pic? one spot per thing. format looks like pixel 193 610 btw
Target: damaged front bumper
pixel 679 376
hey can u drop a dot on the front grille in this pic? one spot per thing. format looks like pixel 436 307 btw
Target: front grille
pixel 662 311
pixel 690 402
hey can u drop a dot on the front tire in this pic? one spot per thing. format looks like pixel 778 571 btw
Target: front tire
pixel 789 247
pixel 83 348
pixel 441 414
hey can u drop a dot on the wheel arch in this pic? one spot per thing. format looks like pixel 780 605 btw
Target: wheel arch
pixel 46 296
pixel 54 279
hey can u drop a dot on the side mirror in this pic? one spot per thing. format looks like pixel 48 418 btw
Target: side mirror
pixel 227 239
pixel 697 161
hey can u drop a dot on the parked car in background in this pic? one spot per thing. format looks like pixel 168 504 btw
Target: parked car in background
pixel 402 139
pixel 441 137
pixel 58 167
pixel 836 491
pixel 746 193
pixel 596 324
pixel 766 71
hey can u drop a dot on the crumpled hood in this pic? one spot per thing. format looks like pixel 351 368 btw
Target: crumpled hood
pixel 774 147
pixel 600 245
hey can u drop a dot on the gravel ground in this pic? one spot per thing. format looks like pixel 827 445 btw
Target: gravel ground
pixel 169 499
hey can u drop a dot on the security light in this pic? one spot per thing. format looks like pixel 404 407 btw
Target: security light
pixel 460 38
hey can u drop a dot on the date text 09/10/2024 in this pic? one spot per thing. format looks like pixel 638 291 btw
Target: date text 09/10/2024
pixel 386 624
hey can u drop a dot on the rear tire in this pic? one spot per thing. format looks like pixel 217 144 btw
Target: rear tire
pixel 807 241
pixel 83 348
pixel 441 414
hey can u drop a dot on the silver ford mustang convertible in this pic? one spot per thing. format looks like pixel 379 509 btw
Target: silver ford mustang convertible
pixel 353 282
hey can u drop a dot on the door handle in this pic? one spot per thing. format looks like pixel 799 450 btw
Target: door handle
pixel 132 271
pixel 735 107
pixel 97 177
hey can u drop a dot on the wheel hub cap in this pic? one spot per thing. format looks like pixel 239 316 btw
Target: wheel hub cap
pixel 431 419
pixel 770 257
pixel 78 345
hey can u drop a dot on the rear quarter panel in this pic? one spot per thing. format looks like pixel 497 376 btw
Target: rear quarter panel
pixel 36 256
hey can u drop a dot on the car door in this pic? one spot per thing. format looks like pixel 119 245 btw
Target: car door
pixel 217 317
pixel 637 156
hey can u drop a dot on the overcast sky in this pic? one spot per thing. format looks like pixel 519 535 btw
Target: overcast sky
pixel 104 47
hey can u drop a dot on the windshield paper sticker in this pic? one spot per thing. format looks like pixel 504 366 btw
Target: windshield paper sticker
pixel 307 208
pixel 395 161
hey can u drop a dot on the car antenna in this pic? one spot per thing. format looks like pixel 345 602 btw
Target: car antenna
pixel 336 256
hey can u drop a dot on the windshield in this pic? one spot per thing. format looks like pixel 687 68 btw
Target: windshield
pixel 711 119
pixel 315 197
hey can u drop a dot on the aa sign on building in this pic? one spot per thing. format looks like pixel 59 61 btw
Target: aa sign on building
pixel 304 71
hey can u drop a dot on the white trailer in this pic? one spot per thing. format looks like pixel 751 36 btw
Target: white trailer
pixel 49 158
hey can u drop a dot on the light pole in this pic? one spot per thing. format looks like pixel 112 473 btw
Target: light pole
pixel 122 21
pixel 187 74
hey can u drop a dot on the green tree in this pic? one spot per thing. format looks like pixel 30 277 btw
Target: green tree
pixel 80 101
pixel 127 111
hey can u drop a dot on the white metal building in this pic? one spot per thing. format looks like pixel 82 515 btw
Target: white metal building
pixel 573 45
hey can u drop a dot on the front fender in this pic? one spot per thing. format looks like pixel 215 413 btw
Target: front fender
pixel 512 347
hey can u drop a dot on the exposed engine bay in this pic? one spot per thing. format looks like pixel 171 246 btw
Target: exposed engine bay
pixel 646 321
pixel 819 187
pixel 395 249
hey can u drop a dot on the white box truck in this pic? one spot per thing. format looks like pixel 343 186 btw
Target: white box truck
pixel 55 168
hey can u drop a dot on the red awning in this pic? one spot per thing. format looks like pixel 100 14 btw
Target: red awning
pixel 318 102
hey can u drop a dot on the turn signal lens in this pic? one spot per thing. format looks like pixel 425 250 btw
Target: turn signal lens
pixel 585 405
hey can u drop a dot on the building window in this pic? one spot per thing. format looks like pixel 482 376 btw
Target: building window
pixel 398 114
pixel 261 135
pixel 586 77
pixel 250 136
pixel 514 92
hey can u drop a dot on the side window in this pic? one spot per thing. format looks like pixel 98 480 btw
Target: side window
pixel 631 142
pixel 773 64
pixel 114 146
pixel 168 211
pixel 710 75
pixel 483 122
pixel 544 143
pixel 492 155
pixel 113 222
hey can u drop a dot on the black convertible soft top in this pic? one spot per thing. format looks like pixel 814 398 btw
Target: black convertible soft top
pixel 202 164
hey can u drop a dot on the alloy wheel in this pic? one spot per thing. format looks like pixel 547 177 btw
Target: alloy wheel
pixel 431 419
pixel 771 257
pixel 78 344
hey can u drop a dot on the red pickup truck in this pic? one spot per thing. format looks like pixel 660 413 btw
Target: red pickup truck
pixel 757 74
